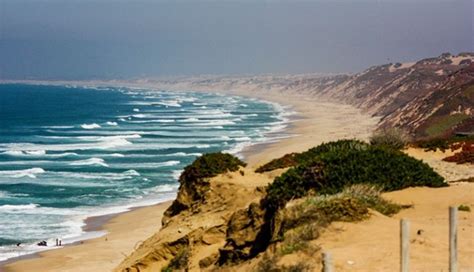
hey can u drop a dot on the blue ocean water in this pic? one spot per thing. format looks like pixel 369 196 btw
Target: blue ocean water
pixel 70 152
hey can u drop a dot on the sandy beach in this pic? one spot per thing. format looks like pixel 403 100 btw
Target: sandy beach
pixel 124 232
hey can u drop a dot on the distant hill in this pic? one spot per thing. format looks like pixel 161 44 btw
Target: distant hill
pixel 430 98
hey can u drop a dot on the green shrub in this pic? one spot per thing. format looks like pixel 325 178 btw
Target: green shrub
pixel 268 264
pixel 210 165
pixel 464 208
pixel 298 267
pixel 390 170
pixel 442 143
pixel 294 159
pixel 390 138
pixel 294 246
pixel 308 216
pixel 287 160
pixel 433 144
pixel 331 171
pixel 370 195
pixel 179 262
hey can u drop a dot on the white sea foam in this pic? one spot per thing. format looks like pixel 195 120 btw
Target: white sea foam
pixel 177 173
pixel 106 143
pixel 146 165
pixel 140 115
pixel 58 127
pixel 14 153
pixel 237 148
pixel 91 161
pixel 131 173
pixel 182 154
pixel 242 139
pixel 90 126
pixel 108 138
pixel 192 119
pixel 215 123
pixel 25 153
pixel 152 121
pixel 107 176
pixel 168 103
pixel 117 155
pixel 165 188
pixel 40 153
pixel 10 208
pixel 168 163
pixel 136 110
pixel 112 123
pixel 31 173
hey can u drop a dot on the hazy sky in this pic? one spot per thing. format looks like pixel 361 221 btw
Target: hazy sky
pixel 80 39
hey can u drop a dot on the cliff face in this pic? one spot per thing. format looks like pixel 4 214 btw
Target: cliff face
pixel 429 98
pixel 190 240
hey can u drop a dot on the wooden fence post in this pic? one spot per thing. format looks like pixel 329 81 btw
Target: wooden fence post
pixel 453 239
pixel 404 245
pixel 327 262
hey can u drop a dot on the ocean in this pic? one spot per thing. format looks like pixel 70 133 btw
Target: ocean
pixel 71 152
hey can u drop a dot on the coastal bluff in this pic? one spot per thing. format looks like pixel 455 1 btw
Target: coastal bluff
pixel 243 220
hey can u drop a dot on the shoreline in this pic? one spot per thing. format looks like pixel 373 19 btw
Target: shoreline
pixel 94 226
pixel 315 122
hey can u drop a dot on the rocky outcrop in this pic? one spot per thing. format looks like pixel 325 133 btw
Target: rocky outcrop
pixel 201 230
pixel 194 181
pixel 247 235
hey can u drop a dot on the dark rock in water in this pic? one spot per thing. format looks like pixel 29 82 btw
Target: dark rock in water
pixel 42 243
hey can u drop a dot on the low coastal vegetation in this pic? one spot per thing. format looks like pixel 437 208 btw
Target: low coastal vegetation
pixel 294 159
pixel 313 213
pixel 303 221
pixel 336 181
pixel 179 262
pixel 465 153
pixel 462 146
pixel 330 167
pixel 442 125
pixel 390 138
pixel 464 208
